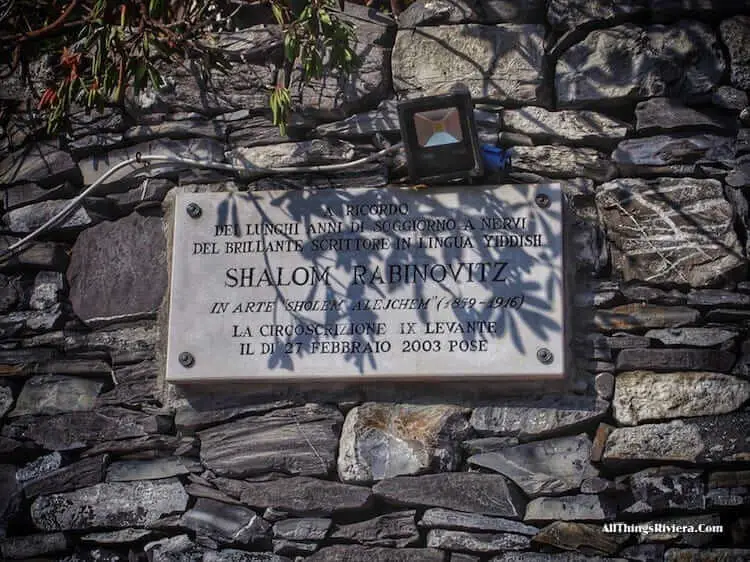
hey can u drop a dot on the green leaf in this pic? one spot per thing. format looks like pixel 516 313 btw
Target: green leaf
pixel 277 13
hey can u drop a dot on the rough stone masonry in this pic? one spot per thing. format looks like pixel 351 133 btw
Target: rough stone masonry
pixel 640 109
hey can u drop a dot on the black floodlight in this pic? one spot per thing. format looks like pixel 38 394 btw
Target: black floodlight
pixel 440 137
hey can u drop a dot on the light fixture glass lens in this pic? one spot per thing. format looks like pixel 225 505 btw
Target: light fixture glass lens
pixel 438 127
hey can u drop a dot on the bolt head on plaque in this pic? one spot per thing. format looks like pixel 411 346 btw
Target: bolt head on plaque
pixel 542 200
pixel 545 356
pixel 186 359
pixel 193 210
pixel 440 137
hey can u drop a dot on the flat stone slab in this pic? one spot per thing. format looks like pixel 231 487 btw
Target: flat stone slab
pixel 554 466
pixel 665 488
pixel 394 530
pixel 486 494
pixel 76 430
pixel 125 258
pixel 643 396
pixel 42 163
pixel 582 128
pixel 304 496
pixel 337 284
pixel 711 439
pixel 119 505
pixel 583 507
pixel 386 440
pixel 675 360
pixel 632 63
pixel 56 394
pixel 296 441
pixel 356 553
pixel 225 523
pixel 682 155
pixel 480 543
pixel 671 230
pixel 538 418
pixel 502 63
pixel 439 518
pixel 562 162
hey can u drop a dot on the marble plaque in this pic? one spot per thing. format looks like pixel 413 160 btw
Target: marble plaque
pixel 388 283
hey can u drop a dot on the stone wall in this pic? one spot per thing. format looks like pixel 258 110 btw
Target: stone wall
pixel 639 108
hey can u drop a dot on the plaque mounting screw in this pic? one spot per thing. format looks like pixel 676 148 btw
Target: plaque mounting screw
pixel 186 359
pixel 194 210
pixel 542 200
pixel 544 355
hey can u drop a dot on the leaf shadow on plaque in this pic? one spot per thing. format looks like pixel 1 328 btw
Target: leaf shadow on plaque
pixel 402 256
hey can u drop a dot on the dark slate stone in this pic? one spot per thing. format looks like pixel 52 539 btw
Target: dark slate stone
pixel 56 394
pixel 735 32
pixel 225 523
pixel 304 496
pixel 675 360
pixel 33 546
pixel 82 429
pixel 85 472
pixel 39 255
pixel 583 507
pixel 715 298
pixel 710 439
pixel 707 555
pixel 512 11
pixel 563 162
pixel 729 98
pixel 199 410
pixel 42 163
pixel 394 530
pixel 302 529
pixel 665 488
pixel 357 553
pixel 294 548
pixel 151 192
pixel 118 537
pixel 481 543
pixel 708 248
pixel 727 315
pixel 627 341
pixel 149 446
pixel 640 316
pixel 428 12
pixel 154 469
pixel 119 505
pixel 643 552
pixel 28 193
pixel 6 399
pixel 39 467
pixel 133 252
pixel 695 337
pixel 582 537
pixel 297 441
pixel 438 518
pixel 479 56
pixel 487 494
pixel 646 294
pixel 487 444
pixel 565 15
pixel 668 115
pixel 10 494
pixel 539 468
pixel 130 344
pixel 570 127
pixel 675 154
pixel 631 63
pixel 535 418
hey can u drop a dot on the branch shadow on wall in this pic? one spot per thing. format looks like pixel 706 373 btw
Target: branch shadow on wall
pixel 353 280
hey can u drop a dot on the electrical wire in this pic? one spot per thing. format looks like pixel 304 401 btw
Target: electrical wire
pixel 146 160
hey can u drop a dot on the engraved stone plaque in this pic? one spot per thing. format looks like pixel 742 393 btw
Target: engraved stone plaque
pixel 388 283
